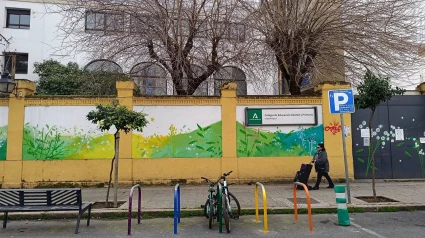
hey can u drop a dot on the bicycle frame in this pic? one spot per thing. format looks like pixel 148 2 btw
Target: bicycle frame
pixel 212 198
pixel 226 193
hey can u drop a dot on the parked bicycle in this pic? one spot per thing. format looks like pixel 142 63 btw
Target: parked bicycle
pixel 228 199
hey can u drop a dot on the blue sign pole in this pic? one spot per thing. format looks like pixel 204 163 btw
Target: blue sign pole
pixel 344 147
pixel 340 102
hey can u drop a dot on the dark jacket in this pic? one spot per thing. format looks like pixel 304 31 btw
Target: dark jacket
pixel 321 160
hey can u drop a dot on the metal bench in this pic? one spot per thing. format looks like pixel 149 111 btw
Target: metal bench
pixel 37 200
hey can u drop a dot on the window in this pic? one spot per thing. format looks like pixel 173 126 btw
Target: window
pixel 237 32
pixel 150 78
pixel 108 22
pixel 18 19
pixel 102 65
pixel 21 63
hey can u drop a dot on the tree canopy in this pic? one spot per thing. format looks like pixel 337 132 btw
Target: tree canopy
pixel 120 117
pixel 374 90
pixel 59 79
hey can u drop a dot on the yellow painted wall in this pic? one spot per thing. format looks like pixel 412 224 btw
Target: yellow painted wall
pixel 17 173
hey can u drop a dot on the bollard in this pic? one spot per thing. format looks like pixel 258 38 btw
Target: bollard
pixel 266 224
pixel 341 202
pixel 176 207
pixel 130 205
pixel 307 193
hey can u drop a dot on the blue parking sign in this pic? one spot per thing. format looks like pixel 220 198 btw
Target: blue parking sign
pixel 341 101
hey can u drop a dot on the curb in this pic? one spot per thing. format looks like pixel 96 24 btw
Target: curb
pixel 150 214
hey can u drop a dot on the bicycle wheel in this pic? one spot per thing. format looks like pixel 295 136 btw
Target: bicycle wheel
pixel 210 213
pixel 206 211
pixel 234 204
pixel 226 215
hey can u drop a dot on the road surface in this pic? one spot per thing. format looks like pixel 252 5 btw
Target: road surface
pixel 373 225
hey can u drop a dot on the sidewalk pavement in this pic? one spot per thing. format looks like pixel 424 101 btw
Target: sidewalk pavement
pixel 279 196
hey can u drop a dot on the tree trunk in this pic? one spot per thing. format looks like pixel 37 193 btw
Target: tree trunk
pixel 110 181
pixel 117 150
pixel 294 87
pixel 371 155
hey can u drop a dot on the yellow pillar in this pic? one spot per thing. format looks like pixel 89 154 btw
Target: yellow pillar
pixel 125 97
pixel 15 131
pixel 421 88
pixel 333 140
pixel 229 160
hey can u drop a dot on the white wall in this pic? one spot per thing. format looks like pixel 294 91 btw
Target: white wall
pixel 40 41
pixel 184 118
pixel 65 117
pixel 4 115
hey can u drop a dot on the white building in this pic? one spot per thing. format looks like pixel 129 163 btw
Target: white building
pixel 31 32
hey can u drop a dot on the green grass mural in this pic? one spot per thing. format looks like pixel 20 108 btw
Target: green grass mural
pixel 204 142
pixel 3 142
pixel 56 143
pixel 260 143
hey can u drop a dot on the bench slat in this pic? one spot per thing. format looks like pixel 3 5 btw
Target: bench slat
pixel 39 197
pixel 9 198
pixel 41 208
pixel 64 197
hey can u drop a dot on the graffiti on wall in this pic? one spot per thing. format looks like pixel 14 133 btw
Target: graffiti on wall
pixel 3 131
pixel 275 141
pixel 179 132
pixel 333 127
pixel 56 133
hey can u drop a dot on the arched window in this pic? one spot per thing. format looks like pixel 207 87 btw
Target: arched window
pixel 151 78
pixel 202 89
pixel 230 74
pixel 103 65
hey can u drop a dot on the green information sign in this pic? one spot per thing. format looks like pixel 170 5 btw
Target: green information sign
pixel 281 116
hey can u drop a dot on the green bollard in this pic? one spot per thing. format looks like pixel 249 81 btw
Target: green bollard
pixel 341 202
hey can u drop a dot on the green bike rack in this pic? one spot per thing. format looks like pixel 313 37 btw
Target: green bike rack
pixel 220 208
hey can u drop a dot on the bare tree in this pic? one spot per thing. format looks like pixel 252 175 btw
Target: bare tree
pixel 4 41
pixel 328 40
pixel 176 34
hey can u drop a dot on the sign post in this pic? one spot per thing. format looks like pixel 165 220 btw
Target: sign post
pixel 340 102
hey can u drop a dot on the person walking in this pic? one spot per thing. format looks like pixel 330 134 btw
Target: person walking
pixel 321 165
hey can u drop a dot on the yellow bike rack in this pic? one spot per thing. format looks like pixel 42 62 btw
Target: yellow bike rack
pixel 266 226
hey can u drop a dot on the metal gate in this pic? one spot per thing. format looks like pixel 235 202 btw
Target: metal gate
pixel 398 139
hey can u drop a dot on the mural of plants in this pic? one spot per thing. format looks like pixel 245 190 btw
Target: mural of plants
pixel 3 142
pixel 382 139
pixel 261 143
pixel 203 142
pixel 56 143
pixel 417 147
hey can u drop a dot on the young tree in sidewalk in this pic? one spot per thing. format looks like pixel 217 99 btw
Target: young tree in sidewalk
pixel 373 91
pixel 338 39
pixel 190 39
pixel 123 120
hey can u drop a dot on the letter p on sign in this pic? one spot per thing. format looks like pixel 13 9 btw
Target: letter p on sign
pixel 340 99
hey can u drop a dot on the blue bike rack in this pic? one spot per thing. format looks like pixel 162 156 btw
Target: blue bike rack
pixel 176 207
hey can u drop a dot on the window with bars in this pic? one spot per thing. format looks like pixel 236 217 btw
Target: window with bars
pixel 18 18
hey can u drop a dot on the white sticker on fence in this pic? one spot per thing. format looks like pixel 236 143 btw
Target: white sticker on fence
pixel 399 134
